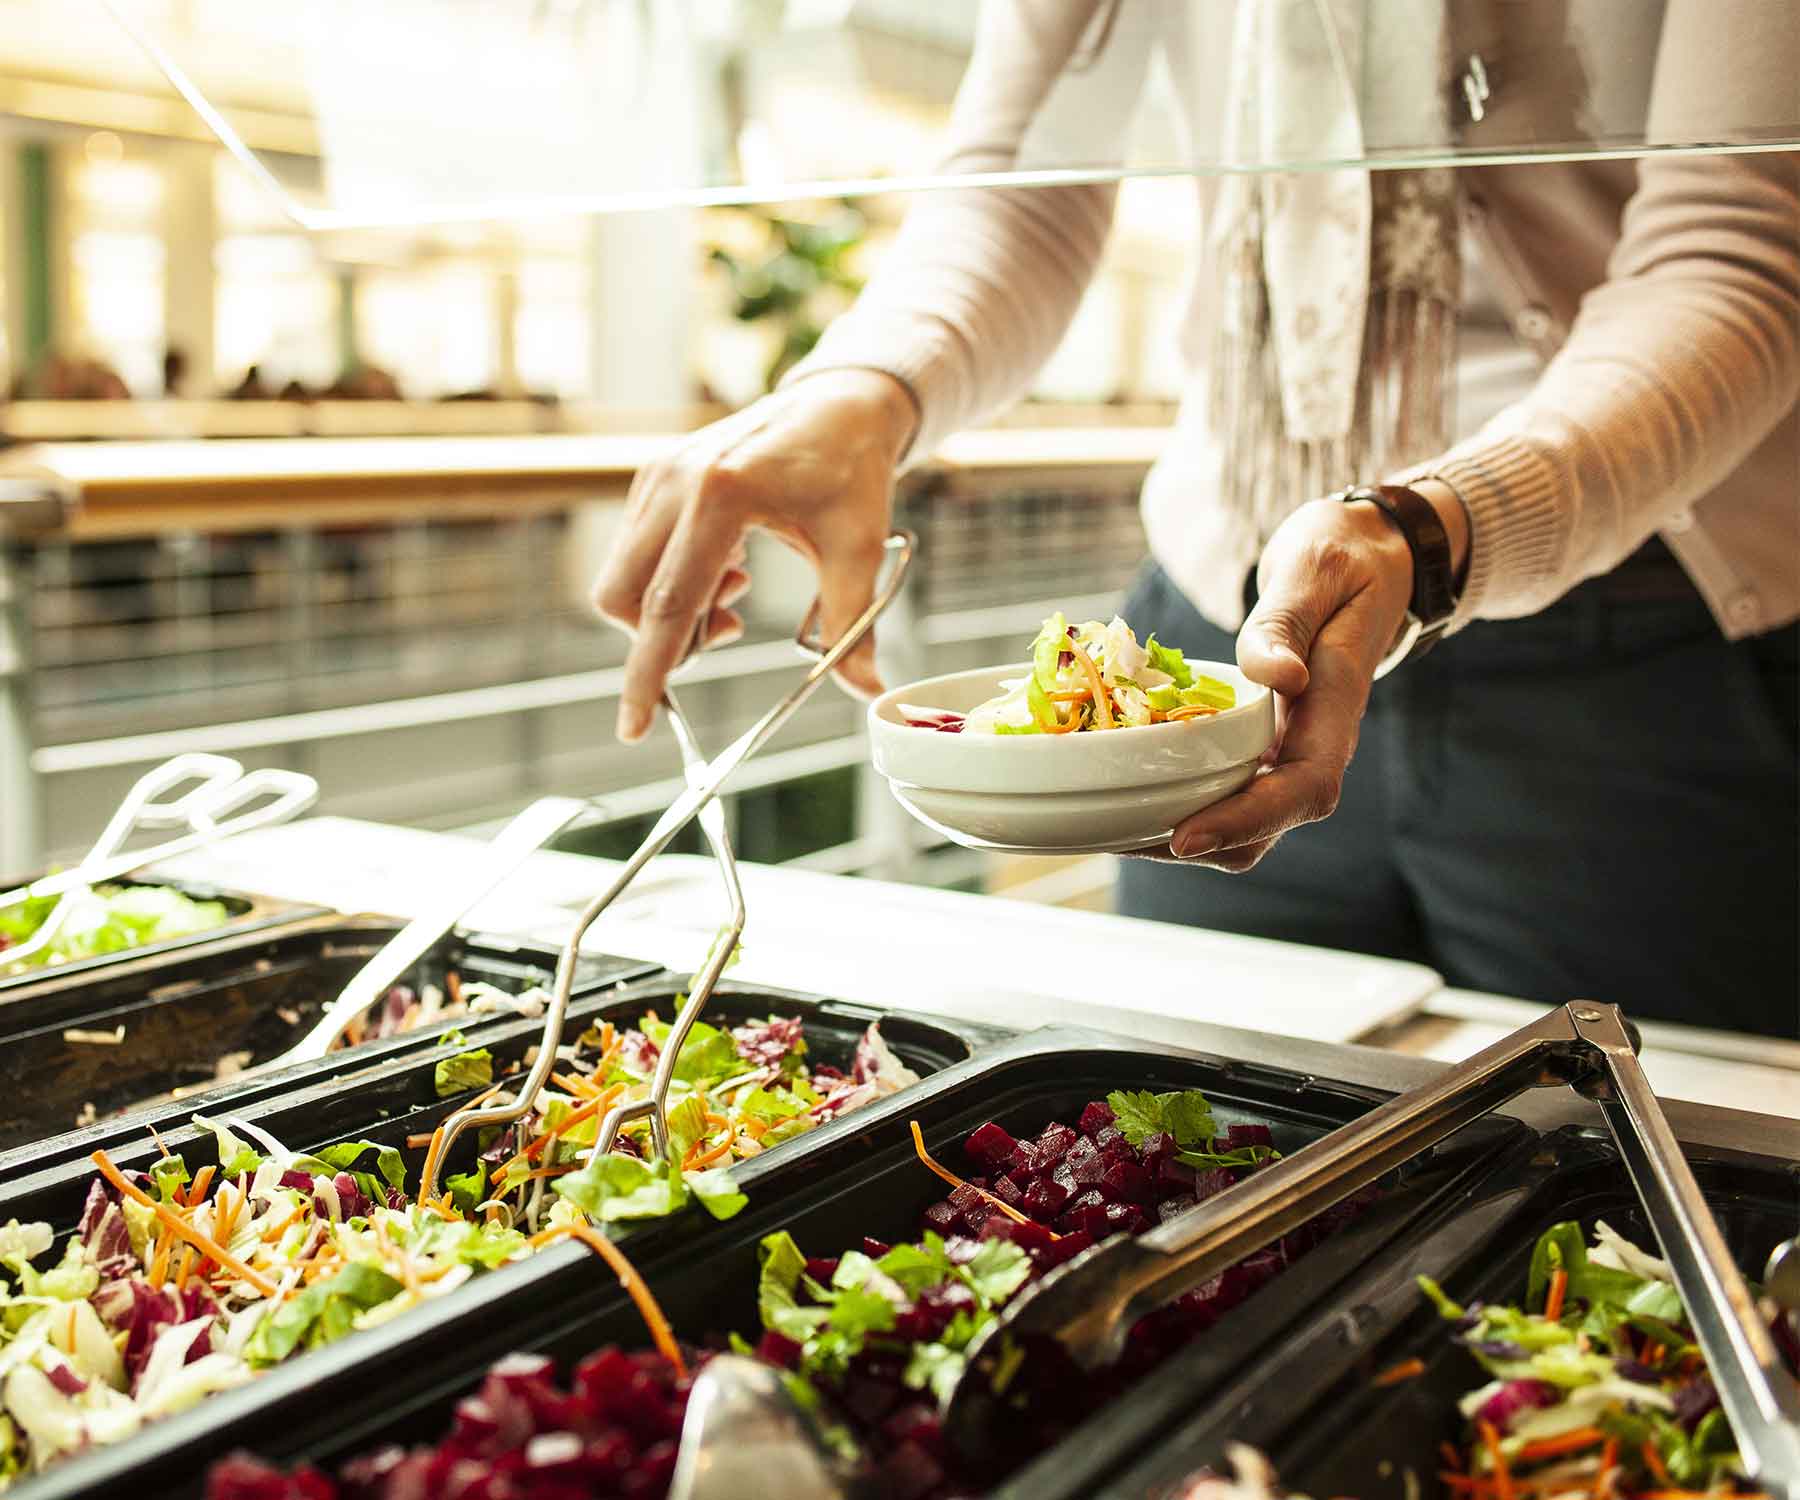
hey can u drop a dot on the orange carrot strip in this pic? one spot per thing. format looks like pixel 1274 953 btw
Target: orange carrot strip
pixel 1452 1456
pixel 1559 1289
pixel 1074 695
pixel 159 1262
pixel 1695 1495
pixel 1653 1354
pixel 1407 1369
pixel 181 1226
pixel 1503 1486
pixel 955 1181
pixel 1464 1482
pixel 1102 699
pixel 581 1088
pixel 1653 1462
pixel 419 1141
pixel 1573 1441
pixel 432 1153
pixel 275 1231
pixel 696 1158
pixel 196 1194
pixel 535 1147
pixel 188 1256
pixel 156 1136
pixel 71 1328
pixel 660 1333
pixel 1190 711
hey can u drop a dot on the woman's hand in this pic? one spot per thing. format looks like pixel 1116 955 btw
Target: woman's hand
pixel 814 464
pixel 1332 591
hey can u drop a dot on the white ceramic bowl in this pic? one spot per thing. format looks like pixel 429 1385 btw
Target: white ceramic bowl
pixel 1085 793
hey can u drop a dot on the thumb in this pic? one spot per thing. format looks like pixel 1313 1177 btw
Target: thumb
pixel 847 576
pixel 1276 641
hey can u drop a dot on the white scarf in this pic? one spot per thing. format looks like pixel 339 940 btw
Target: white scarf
pixel 1336 329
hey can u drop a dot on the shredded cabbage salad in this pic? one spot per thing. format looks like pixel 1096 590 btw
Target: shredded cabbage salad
pixel 178 1284
pixel 1089 677
pixel 106 919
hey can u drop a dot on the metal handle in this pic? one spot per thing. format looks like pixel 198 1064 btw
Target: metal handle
pixel 703 786
pixel 1760 1399
pixel 522 837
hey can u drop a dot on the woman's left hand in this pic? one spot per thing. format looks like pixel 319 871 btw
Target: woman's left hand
pixel 1333 586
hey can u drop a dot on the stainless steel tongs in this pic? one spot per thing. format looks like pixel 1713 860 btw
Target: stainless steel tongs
pixel 1089 1304
pixel 705 779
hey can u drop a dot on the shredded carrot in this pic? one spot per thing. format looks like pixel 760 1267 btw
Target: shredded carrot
pixel 188 1256
pixel 1074 695
pixel 1503 1486
pixel 1064 727
pixel 607 1034
pixel 196 1194
pixel 420 1141
pixel 435 1150
pixel 159 1262
pixel 1609 1459
pixel 275 1231
pixel 1102 699
pixel 156 1136
pixel 581 1088
pixel 1653 1462
pixel 660 1332
pixel 1458 1481
pixel 71 1328
pixel 444 1208
pixel 1653 1354
pixel 535 1147
pixel 453 986
pixel 1407 1369
pixel 180 1226
pixel 1695 1495
pixel 1452 1455
pixel 1559 1289
pixel 696 1158
pixel 955 1181
pixel 1573 1441
pixel 1189 711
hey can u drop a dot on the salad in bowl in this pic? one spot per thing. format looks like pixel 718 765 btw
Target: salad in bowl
pixel 1024 757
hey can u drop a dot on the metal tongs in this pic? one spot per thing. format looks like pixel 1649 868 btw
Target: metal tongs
pixel 224 802
pixel 1089 1304
pixel 705 779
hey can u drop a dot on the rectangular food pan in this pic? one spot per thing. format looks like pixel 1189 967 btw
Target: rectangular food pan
pixel 858 1177
pixel 394 1098
pixel 80 1048
pixel 244 913
pixel 1314 1410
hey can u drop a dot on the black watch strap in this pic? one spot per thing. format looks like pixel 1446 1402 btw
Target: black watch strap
pixel 1434 575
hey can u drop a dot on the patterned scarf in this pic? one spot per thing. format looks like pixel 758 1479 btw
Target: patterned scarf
pixel 1335 340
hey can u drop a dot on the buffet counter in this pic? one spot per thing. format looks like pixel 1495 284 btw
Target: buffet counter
pixel 907 948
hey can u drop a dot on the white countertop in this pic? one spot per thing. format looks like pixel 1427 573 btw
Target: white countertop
pixel 906 947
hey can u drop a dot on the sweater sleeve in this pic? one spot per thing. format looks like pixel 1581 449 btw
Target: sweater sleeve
pixel 1679 364
pixel 981 283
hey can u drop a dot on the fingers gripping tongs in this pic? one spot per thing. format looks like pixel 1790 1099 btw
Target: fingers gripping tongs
pixel 1090 1304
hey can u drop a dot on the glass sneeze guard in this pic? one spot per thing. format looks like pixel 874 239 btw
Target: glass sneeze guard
pixel 423 111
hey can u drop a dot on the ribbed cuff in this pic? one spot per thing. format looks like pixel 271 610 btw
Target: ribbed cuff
pixel 1516 527
pixel 899 348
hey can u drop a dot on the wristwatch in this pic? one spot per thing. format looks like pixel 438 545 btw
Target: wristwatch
pixel 1434 575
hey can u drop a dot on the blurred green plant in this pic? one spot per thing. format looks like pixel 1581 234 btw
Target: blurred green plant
pixel 799 281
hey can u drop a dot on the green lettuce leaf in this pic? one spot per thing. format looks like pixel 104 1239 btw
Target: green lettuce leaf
pixel 325 1311
pixel 1172 662
pixel 717 1191
pixel 1047 649
pixel 465 1071
pixel 612 1187
pixel 344 1156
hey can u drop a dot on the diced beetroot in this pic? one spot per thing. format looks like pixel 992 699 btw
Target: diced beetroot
pixel 610 1454
pixel 1126 1182
pixel 1213 1181
pixel 979 1182
pixel 1080 1154
pixel 990 1145
pixel 1044 1199
pixel 1064 1178
pixel 1095 1118
pixel 475 1426
pixel 920 1324
pixel 951 1297
pixel 964 1197
pixel 656 1466
pixel 1077 1206
pixel 1156 1149
pixel 1122 1218
pixel 975 1219
pixel 368 1475
pixel 1066 1248
pixel 1022 1158
pixel 910 1473
pixel 1175 1176
pixel 1237 1137
pixel 1022 1177
pixel 875 1249
pixel 941 1217
pixel 1008 1192
pixel 822 1269
pixel 1029 1237
pixel 916 1422
pixel 868 1397
pixel 605 1370
pixel 778 1349
pixel 1108 1135
pixel 1092 1220
pixel 1170 1207
pixel 1054 1144
pixel 241 1477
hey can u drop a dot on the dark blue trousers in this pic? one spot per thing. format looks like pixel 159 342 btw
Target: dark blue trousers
pixel 1599 801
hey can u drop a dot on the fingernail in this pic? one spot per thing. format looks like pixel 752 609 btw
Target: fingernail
pixel 1194 845
pixel 633 721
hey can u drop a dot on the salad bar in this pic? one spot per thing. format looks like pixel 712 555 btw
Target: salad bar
pixel 311 1282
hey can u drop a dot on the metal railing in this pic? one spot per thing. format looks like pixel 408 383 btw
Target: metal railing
pixel 418 637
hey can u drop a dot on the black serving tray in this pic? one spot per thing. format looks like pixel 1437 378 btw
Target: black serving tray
pixel 246 912
pixel 857 1176
pixel 1313 1409
pixel 253 991
pixel 391 1099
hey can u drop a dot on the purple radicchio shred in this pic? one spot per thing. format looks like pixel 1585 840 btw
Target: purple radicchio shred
pixel 768 1043
pixel 1694 1399
pixel 1636 1369
pixel 1514 1397
pixel 65 1380
pixel 1497 1349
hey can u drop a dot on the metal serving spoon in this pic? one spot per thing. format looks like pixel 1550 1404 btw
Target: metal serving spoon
pixel 744 1434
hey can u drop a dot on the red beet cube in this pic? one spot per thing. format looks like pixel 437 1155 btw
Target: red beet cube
pixel 1237 1137
pixel 1044 1199
pixel 1121 1218
pixel 1023 1177
pixel 241 1477
pixel 1022 1158
pixel 1213 1181
pixel 875 1249
pixel 1054 1144
pixel 604 1371
pixel 1008 1192
pixel 1095 1118
pixel 1066 1248
pixel 910 1473
pixel 1156 1150
pixel 1175 1176
pixel 822 1269
pixel 1170 1207
pixel 916 1422
pixel 1108 1135
pixel 941 1217
pixel 964 1197
pixel 778 1349
pixel 1126 1182
pixel 1064 1178
pixel 990 1145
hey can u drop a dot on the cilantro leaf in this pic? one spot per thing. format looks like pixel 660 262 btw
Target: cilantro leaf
pixel 998 1269
pixel 1186 1115
pixel 1138 1115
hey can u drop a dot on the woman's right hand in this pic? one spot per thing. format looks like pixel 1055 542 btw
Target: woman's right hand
pixel 814 464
